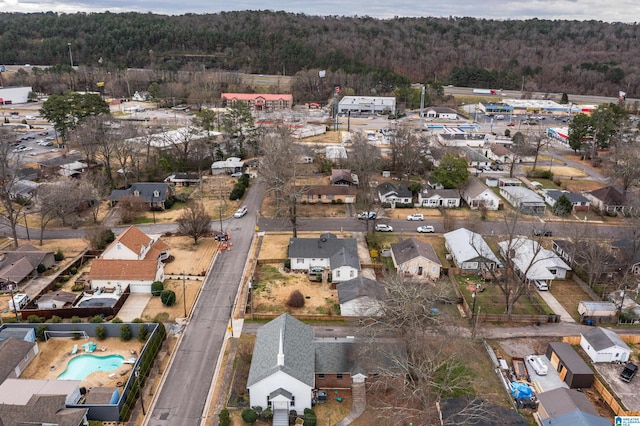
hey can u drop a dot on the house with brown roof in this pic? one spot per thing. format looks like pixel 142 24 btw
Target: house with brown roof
pixel 343 177
pixel 415 259
pixel 326 194
pixel 16 355
pixel 608 199
pixel 43 410
pixel 134 259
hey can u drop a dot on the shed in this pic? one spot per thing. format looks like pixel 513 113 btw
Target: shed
pixel 597 310
pixel 570 366
pixel 56 300
pixel 603 345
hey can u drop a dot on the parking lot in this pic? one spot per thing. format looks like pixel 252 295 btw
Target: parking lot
pixel 629 393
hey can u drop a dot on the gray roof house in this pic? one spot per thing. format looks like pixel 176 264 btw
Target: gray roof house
pixel 43 410
pixel 524 199
pixel 230 165
pixel 608 199
pixel 283 366
pixel 476 194
pixel 154 194
pixel 16 355
pixel 436 198
pixel 603 345
pixel 578 201
pixel 567 407
pixel 469 251
pixel 415 259
pixel 339 255
pixel 360 296
pixel 21 263
pixel 389 193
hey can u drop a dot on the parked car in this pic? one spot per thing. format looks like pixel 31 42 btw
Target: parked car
pixel 629 372
pixel 240 212
pixel 365 215
pixel 415 216
pixel 383 227
pixel 30 117
pixel 50 138
pixel 538 365
pixel 236 175
pixel 541 285
pixel 542 233
pixel 426 229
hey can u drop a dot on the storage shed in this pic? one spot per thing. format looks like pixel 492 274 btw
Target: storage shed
pixel 603 345
pixel 570 366
pixel 597 311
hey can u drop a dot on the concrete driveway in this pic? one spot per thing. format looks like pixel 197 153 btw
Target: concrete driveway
pixel 133 307
pixel 555 306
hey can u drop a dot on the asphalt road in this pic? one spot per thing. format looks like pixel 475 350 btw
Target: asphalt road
pixel 188 380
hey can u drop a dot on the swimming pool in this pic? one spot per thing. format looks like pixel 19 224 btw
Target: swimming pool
pixel 83 365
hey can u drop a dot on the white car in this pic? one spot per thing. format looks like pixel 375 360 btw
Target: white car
pixel 365 215
pixel 426 229
pixel 30 117
pixel 383 227
pixel 415 216
pixel 541 285
pixel 240 212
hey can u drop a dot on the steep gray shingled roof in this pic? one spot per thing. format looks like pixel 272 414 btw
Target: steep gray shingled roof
pixel 600 338
pixel 561 401
pixel 12 351
pixel 572 196
pixel 145 189
pixel 359 287
pixel 347 355
pixel 344 257
pixel 297 348
pixel 412 248
pixel 325 247
pixel 42 409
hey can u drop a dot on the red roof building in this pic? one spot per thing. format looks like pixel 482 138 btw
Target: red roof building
pixel 259 101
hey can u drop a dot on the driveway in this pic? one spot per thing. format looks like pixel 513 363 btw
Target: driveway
pixel 133 307
pixel 555 306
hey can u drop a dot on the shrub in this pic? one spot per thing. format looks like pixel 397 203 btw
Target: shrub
pixel 296 299
pixel 73 271
pixel 34 319
pixel 287 264
pixel 237 192
pixel 75 335
pixel 223 418
pixel 156 288
pixel 116 320
pixel 267 414
pixel 168 297
pixel 55 319
pixel 143 333
pixel 76 319
pixel 41 268
pixel 137 320
pixel 40 331
pixel 125 333
pixel 249 416
pixel 310 418
pixel 97 319
pixel 58 255
pixel 101 332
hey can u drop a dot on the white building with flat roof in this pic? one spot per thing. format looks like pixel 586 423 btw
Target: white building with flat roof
pixel 367 105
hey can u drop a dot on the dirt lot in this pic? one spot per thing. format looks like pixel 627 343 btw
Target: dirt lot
pixel 56 353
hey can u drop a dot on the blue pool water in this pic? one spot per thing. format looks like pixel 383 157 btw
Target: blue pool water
pixel 83 365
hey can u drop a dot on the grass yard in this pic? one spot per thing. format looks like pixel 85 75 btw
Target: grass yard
pixel 569 293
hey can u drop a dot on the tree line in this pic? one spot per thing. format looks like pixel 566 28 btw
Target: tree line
pixel 587 57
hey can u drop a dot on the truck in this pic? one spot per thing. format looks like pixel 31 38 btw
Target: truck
pixel 485 91
pixel 629 372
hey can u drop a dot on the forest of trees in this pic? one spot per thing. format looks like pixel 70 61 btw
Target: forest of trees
pixel 587 57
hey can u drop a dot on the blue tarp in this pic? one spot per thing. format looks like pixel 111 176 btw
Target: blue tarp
pixel 520 390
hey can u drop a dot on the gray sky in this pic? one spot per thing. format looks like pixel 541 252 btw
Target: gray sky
pixel 609 10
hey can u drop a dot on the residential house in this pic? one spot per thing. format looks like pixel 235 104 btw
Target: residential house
pixel 477 194
pixel 50 167
pixel 627 251
pixel 134 259
pixel 439 198
pixel 604 345
pixel 16 355
pixel 567 407
pixel 73 169
pixel 533 261
pixel 329 194
pixel 442 113
pixel 389 193
pixel 415 259
pixel 183 179
pixel 259 101
pixel 470 252
pixel 22 190
pixel 18 392
pixel 524 199
pixel 22 263
pixel 608 199
pixel 43 409
pixel 474 158
pixel 570 366
pixel 154 194
pixel 26 334
pixel 499 152
pixel 282 369
pixel 57 299
pixel 466 410
pixel 335 152
pixel 360 296
pixel 343 177
pixel 583 253
pixel 579 202
pixel 229 166
pixel 340 255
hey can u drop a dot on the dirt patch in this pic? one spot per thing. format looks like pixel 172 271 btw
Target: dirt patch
pixel 155 310
pixel 580 185
pixel 275 245
pixel 55 354
pixel 520 347
pixel 273 286
pixel 189 258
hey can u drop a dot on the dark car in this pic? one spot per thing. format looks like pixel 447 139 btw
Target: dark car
pixel 629 372
pixel 542 233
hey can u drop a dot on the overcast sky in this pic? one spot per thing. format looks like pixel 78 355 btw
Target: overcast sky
pixel 603 10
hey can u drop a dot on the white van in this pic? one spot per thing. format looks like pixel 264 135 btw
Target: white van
pixel 538 365
pixel 541 285
pixel 18 302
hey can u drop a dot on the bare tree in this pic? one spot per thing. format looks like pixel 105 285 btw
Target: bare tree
pixel 131 206
pixel 9 167
pixel 194 221
pixel 98 137
pixel 62 200
pixel 364 160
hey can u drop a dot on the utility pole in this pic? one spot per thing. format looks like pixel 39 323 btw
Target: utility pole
pixel 70 56
pixel 422 106
pixel 184 294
